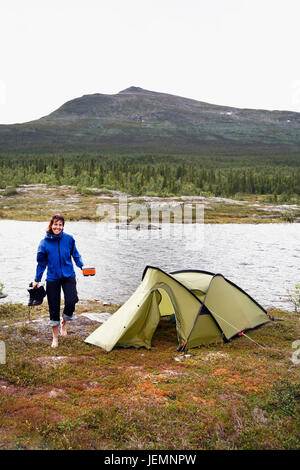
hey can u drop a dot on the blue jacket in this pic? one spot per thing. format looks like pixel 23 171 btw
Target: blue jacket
pixel 55 252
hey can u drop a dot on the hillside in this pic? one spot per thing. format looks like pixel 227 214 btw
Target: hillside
pixel 137 120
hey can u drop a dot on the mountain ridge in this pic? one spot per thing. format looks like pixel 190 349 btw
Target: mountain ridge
pixel 139 120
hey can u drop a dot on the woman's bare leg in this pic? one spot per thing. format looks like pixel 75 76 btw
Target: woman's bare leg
pixel 55 337
pixel 63 328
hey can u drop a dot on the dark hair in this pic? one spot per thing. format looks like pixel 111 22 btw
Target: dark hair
pixel 53 218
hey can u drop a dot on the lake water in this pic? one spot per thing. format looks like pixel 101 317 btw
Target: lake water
pixel 262 259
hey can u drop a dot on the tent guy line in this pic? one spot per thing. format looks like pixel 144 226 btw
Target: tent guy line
pixel 241 332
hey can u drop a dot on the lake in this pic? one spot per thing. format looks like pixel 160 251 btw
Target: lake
pixel 262 259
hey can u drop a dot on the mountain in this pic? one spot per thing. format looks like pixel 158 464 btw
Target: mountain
pixel 137 120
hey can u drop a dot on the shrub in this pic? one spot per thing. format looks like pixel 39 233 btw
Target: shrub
pixel 294 296
pixel 10 191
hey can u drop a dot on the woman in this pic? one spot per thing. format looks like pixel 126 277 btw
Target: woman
pixel 55 252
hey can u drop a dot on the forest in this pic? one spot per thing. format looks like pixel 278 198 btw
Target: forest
pixel 154 175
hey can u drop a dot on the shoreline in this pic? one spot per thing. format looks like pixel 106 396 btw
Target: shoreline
pixel 37 202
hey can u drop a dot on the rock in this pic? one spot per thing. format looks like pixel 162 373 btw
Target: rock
pixel 55 393
pixel 177 359
pixel 99 317
pixel 259 416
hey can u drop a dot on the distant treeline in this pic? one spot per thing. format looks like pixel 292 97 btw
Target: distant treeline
pixel 138 176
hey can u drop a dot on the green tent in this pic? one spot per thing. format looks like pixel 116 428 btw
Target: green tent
pixel 207 307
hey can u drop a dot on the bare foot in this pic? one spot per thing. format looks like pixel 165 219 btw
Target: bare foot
pixel 55 337
pixel 63 328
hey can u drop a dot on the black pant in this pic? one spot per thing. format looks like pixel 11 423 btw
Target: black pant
pixel 53 289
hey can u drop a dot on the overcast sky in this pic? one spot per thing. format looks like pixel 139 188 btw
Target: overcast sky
pixel 242 53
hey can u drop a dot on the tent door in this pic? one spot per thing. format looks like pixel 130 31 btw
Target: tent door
pixel 167 304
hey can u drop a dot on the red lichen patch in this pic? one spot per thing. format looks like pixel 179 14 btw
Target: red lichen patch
pixel 221 371
pixel 91 388
pixel 254 385
pixel 97 391
pixel 233 379
pixel 149 390
pixel 251 388
pixel 247 384
pixel 204 401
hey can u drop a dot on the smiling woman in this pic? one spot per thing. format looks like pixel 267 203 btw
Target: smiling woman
pixel 57 226
pixel 55 252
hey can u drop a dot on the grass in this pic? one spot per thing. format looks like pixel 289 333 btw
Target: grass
pixel 231 396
